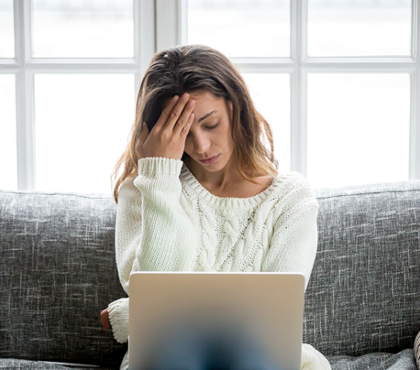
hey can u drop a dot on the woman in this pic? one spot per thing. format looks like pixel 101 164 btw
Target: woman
pixel 199 191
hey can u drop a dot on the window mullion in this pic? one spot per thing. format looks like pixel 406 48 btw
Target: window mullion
pixel 144 36
pixel 24 99
pixel 167 17
pixel 414 155
pixel 298 137
pixel 182 19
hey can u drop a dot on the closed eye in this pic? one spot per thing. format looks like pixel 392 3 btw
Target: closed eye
pixel 212 127
pixel 208 128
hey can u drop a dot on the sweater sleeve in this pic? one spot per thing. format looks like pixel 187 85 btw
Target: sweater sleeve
pixel 168 241
pixel 118 316
pixel 295 234
pixel 153 232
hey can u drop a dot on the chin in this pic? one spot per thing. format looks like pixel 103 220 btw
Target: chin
pixel 211 168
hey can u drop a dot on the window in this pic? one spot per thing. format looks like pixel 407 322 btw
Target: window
pixel 69 73
pixel 337 80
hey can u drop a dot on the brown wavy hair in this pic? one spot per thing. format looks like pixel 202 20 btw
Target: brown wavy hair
pixel 199 68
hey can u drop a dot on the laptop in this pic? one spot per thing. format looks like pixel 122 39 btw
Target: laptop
pixel 179 313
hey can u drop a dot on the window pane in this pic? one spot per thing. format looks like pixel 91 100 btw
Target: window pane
pixel 359 28
pixel 81 128
pixel 358 128
pixel 8 154
pixel 271 96
pixel 246 28
pixel 7 49
pixel 82 28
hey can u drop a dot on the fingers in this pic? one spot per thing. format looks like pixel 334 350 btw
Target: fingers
pixel 167 138
pixel 185 121
pixel 166 113
pixel 186 128
pixel 179 113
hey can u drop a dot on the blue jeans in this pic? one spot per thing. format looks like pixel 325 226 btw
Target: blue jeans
pixel 207 350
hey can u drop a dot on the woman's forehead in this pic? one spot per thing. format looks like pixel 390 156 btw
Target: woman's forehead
pixel 201 99
pixel 204 97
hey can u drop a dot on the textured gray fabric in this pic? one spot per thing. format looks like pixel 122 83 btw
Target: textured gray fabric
pixel 363 295
pixel 28 365
pixel 403 360
pixel 57 272
pixel 35 365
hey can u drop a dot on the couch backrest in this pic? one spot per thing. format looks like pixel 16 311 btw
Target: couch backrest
pixel 58 271
pixel 364 292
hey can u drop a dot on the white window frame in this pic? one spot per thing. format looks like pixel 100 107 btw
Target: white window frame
pixel 161 24
pixel 24 67
pixel 171 24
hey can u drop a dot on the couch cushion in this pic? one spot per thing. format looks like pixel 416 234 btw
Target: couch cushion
pixel 403 360
pixel 8 363
pixel 363 295
pixel 15 364
pixel 57 272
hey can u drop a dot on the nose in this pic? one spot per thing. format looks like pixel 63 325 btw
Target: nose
pixel 201 144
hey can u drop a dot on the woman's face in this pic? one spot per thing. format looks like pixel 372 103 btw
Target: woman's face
pixel 210 134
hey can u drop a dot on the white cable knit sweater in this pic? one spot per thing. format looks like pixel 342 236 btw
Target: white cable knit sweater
pixel 167 221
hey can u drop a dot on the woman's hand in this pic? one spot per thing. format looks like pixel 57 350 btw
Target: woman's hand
pixel 105 319
pixel 167 138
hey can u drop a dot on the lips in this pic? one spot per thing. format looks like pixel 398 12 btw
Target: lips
pixel 210 160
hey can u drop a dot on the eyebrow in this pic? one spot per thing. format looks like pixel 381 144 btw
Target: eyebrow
pixel 207 115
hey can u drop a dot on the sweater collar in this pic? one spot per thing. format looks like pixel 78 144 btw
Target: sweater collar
pixel 191 184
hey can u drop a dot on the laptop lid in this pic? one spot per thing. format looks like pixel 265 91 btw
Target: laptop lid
pixel 266 308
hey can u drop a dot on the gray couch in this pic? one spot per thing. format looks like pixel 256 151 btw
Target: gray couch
pixel 58 271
